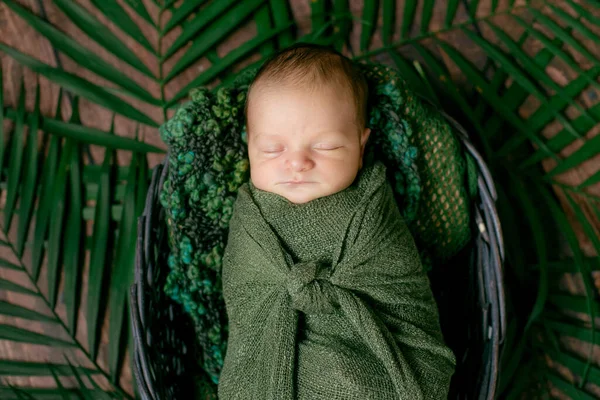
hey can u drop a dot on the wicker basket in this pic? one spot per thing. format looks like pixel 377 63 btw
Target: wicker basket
pixel 469 294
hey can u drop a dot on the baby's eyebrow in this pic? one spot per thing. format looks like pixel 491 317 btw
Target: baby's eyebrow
pixel 264 135
pixel 325 135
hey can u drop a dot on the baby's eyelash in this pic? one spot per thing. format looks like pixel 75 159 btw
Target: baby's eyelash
pixel 272 150
pixel 323 148
pixel 328 148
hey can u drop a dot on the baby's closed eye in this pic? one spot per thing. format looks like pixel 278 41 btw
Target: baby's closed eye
pixel 279 149
pixel 328 147
pixel 270 150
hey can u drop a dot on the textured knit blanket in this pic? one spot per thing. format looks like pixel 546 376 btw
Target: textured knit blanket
pixel 329 300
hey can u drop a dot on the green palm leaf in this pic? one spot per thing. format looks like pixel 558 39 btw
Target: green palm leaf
pixel 14 167
pixel 573 329
pixel 194 27
pixel 370 11
pixel 100 34
pixel 213 33
pixel 58 238
pixel 318 11
pixel 389 12
pixel 87 135
pixel 226 62
pixel 15 310
pixel 73 234
pixel 140 9
pixel 282 18
pixel 56 370
pixel 536 71
pixel 80 87
pixel 30 173
pixel 122 273
pixel 569 388
pixel 342 21
pixel 9 286
pixel 410 9
pixel 2 145
pixel 563 138
pixel 42 215
pixel 518 75
pixel 537 228
pixel 115 13
pixel 427 15
pixel 16 334
pixel 263 25
pixel 63 393
pixel 463 56
pixel 83 56
pixel 42 393
pixel 180 14
pixel 55 228
pixel 24 368
pixel 98 257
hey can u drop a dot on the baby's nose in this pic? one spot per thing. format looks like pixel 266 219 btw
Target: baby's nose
pixel 299 162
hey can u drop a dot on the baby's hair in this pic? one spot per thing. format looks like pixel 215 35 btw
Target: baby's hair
pixel 307 64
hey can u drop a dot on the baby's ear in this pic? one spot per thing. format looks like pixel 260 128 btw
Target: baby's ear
pixel 363 141
pixel 364 137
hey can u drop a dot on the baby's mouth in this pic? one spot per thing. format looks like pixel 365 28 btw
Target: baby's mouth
pixel 295 182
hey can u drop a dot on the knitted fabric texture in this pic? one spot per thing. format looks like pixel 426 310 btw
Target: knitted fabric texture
pixel 329 300
pixel 442 224
pixel 208 162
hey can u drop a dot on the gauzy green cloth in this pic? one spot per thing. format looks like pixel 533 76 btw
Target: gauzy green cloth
pixel 329 300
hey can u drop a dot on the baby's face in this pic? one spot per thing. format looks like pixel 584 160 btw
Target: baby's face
pixel 303 144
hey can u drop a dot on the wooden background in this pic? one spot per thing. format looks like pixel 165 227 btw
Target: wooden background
pixel 16 33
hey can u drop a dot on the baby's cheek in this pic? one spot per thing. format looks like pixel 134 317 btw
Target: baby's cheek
pixel 262 175
pixel 341 175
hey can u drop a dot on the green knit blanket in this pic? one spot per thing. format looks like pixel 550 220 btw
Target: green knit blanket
pixel 329 300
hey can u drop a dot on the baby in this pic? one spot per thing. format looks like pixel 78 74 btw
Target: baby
pixel 306 116
pixel 325 293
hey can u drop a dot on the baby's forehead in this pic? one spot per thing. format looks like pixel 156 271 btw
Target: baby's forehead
pixel 312 82
pixel 267 91
pixel 263 97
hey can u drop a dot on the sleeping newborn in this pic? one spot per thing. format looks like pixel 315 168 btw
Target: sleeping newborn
pixel 306 132
pixel 324 290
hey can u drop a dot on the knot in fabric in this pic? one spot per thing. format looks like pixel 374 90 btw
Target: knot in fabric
pixel 310 288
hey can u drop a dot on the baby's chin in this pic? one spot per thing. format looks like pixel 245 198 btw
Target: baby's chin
pixel 299 199
pixel 297 195
pixel 304 194
pixel 301 193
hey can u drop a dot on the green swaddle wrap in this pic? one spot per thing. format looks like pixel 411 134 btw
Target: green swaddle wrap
pixel 329 300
